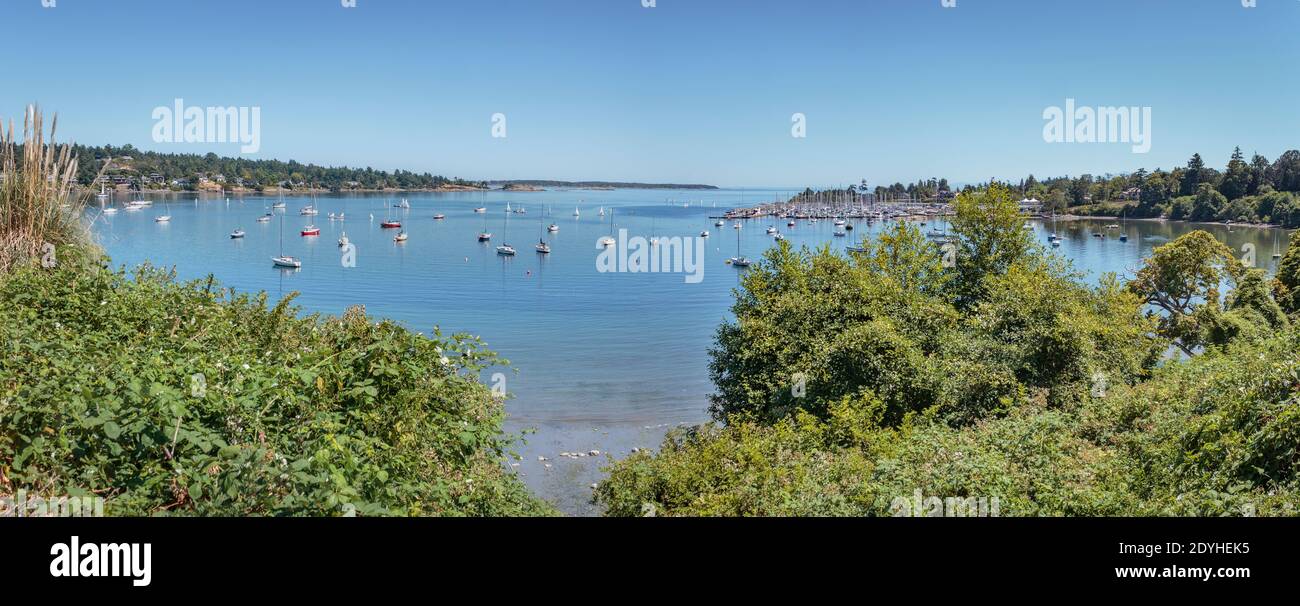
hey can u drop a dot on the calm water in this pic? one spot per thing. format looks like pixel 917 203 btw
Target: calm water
pixel 605 361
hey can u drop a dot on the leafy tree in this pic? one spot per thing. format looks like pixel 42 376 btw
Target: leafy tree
pixel 1207 204
pixel 1155 192
pixel 1193 176
pixel 1183 277
pixel 1237 180
pixel 1285 172
pixel 1286 284
pixel 991 238
pixel 1259 175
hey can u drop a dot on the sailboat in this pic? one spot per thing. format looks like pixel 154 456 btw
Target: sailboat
pixel 390 223
pixel 608 240
pixel 1277 250
pixel 738 260
pixel 343 241
pixel 401 236
pixel 285 260
pixel 484 235
pixel 575 211
pixel 542 247
pixel 506 249
pixel 164 218
pixel 281 203
pixel 1123 235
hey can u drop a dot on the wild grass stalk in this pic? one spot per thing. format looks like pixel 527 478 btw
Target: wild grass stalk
pixel 40 202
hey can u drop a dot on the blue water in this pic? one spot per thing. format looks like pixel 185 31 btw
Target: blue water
pixel 604 361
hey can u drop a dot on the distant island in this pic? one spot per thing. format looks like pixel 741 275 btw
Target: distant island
pixel 521 185
pixel 127 168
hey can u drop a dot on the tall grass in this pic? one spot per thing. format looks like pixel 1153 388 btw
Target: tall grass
pixel 39 201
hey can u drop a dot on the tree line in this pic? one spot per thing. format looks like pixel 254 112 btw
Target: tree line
pixel 140 167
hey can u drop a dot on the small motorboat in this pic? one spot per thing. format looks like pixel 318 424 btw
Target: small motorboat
pixel 1124 238
pixel 779 236
pixel 401 237
pixel 607 241
pixel 737 225
pixel 543 248
pixel 311 230
pixel 839 221
pixel 719 223
pixel 238 233
pixel 1056 243
pixel 506 250
pixel 855 249
pixel 309 211
pixel 110 211
pixel 704 234
pixel 553 228
pixel 848 226
pixel 162 218
pixel 481 209
pixel 278 205
pixel 771 230
pixel 484 236
pixel 439 217
pixel 790 224
pixel 391 224
pixel 287 262
pixel 739 261
pixel 264 218
pixel 840 233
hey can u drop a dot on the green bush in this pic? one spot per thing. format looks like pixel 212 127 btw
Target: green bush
pixel 188 399
pixel 1216 435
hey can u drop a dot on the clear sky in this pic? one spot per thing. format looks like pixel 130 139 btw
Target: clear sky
pixel 687 91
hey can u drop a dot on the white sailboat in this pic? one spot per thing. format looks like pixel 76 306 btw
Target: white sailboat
pixel 738 260
pixel 284 260
pixel 163 218
pixel 542 247
pixel 608 240
pixel 484 235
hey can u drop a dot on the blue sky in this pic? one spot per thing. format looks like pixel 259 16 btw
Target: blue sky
pixel 687 91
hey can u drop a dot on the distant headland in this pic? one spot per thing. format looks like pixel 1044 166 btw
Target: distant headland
pixel 535 185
